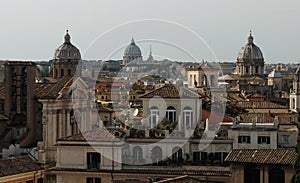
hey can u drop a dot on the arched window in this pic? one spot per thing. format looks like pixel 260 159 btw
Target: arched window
pixel 177 155
pixel 137 155
pixel 69 72
pixel 62 72
pixel 14 73
pixel 191 80
pixel 75 121
pixel 156 155
pixel 188 118
pixel 247 70
pixel 154 116
pixel 212 80
pixel 171 114
pixel 256 69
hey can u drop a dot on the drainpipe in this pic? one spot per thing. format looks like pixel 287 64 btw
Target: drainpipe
pixel 263 174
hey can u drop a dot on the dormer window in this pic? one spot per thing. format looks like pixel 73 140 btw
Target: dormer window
pixel 263 140
pixel 244 139
pixel 93 160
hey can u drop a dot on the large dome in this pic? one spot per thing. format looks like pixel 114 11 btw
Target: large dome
pixel 250 52
pixel 132 50
pixel 67 50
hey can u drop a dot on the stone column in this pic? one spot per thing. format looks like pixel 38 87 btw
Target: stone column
pixel 49 129
pixel 54 125
pixel 64 123
pixel 69 126
pixel 60 124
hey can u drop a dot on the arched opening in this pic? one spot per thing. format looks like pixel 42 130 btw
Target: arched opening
pixel 69 72
pixel 247 70
pixel 137 155
pixel 156 155
pixel 276 175
pixel 75 118
pixel 23 89
pixel 256 69
pixel 171 114
pixel 212 80
pixel 177 155
pixel 62 72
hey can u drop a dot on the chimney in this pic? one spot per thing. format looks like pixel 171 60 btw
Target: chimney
pixel 254 122
pixel 276 121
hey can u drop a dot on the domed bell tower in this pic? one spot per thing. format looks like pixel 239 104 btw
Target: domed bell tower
pixel 66 59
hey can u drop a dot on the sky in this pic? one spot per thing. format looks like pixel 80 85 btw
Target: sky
pixel 183 30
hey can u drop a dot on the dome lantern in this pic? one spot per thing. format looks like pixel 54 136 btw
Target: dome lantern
pixel 250 38
pixel 67 37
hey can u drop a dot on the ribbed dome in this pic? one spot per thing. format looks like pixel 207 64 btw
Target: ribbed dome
pixel 250 52
pixel 67 50
pixel 132 50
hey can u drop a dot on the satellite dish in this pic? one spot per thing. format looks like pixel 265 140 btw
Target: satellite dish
pixel 135 112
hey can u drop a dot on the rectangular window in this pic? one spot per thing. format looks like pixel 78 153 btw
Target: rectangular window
pixel 40 180
pixel 93 180
pixel 154 117
pixel 188 119
pixel 93 160
pixel 196 156
pixel 203 155
pixel 263 140
pixel 171 115
pixel 244 139
pixel 285 139
pixel 29 181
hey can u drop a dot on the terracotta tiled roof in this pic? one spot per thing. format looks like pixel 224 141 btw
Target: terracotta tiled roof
pixel 213 117
pixel 261 105
pixel 13 166
pixel 236 97
pixel 180 178
pixel 51 91
pixel 95 135
pixel 42 89
pixel 2 95
pixel 283 118
pixel 105 80
pixel 262 156
pixel 170 91
pixel 166 170
pixel 203 67
pixel 50 79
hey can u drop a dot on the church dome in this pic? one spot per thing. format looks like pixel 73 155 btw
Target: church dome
pixel 133 50
pixel 67 50
pixel 250 52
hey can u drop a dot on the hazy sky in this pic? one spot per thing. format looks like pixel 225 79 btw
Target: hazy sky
pixel 33 29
